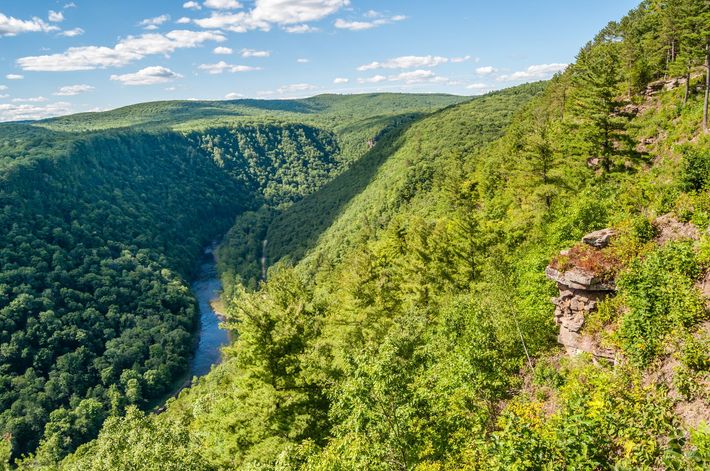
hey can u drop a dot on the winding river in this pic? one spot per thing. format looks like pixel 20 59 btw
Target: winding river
pixel 212 338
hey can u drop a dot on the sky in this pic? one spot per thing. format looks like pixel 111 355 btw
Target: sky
pixel 59 57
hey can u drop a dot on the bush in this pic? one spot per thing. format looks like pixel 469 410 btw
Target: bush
pixel 660 294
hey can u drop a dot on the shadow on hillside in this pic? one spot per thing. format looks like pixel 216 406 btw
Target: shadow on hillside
pixel 296 230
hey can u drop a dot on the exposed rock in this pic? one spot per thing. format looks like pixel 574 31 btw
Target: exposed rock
pixel 599 239
pixel 669 229
pixel 580 293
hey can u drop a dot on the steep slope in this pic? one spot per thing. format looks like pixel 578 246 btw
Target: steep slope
pixel 103 232
pixel 417 332
pixel 295 407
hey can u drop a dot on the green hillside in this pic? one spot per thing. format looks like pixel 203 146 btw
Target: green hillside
pixel 102 229
pixel 517 281
pixel 408 323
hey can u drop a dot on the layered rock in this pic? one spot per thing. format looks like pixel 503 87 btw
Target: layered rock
pixel 580 293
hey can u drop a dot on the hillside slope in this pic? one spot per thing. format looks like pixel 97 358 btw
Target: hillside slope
pixel 416 331
pixel 103 230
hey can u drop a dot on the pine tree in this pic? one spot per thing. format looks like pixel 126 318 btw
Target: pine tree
pixel 597 78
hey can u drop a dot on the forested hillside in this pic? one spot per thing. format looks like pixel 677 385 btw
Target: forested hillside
pixel 409 324
pixel 101 234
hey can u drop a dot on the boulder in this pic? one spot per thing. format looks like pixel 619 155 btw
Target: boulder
pixel 599 239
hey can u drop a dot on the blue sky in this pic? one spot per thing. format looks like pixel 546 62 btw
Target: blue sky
pixel 59 57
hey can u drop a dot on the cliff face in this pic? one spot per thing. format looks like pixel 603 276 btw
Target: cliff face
pixel 580 292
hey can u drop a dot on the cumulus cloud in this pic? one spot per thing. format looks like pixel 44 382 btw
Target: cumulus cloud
pixel 340 80
pixel 10 26
pixel 192 6
pixel 477 86
pixel 69 5
pixel 70 33
pixel 71 90
pixel 183 20
pixel 303 60
pixel 406 62
pixel 300 29
pixel 487 70
pixel 265 13
pixel 36 99
pixel 128 50
pixel 153 23
pixel 233 96
pixel 458 60
pixel 3 87
pixel 147 76
pixel 363 25
pixel 222 4
pixel 538 72
pixel 225 51
pixel 417 76
pixel 221 67
pixel 14 77
pixel 15 112
pixel 374 79
pixel 55 16
pixel 296 87
pixel 254 53
pixel 409 78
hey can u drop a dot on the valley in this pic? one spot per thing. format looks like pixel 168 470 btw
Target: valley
pixel 515 280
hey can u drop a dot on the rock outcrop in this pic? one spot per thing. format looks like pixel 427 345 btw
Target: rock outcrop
pixel 580 293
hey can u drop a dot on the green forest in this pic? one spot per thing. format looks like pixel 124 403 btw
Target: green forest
pixel 422 250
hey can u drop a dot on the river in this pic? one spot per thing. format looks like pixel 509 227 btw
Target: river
pixel 212 338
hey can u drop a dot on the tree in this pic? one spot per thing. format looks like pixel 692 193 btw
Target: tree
pixel 597 76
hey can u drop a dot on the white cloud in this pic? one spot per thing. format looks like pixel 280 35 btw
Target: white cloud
pixel 183 20
pixel 3 87
pixel 11 112
pixel 374 79
pixel 225 51
pixel 128 50
pixel 221 67
pixel 487 70
pixel 55 16
pixel 222 4
pixel 539 72
pixel 296 87
pixel 300 29
pixel 266 13
pixel 14 77
pixel 340 80
pixel 70 33
pixel 303 60
pixel 71 90
pixel 69 5
pixel 233 96
pixel 458 60
pixel 192 6
pixel 37 99
pixel 477 86
pixel 147 76
pixel 409 78
pixel 417 76
pixel 406 62
pixel 254 53
pixel 363 25
pixel 4 96
pixel 153 23
pixel 10 26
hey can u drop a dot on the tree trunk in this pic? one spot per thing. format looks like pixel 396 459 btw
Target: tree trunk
pixel 687 87
pixel 707 85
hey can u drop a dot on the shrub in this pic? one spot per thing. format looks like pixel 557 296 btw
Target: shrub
pixel 660 295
